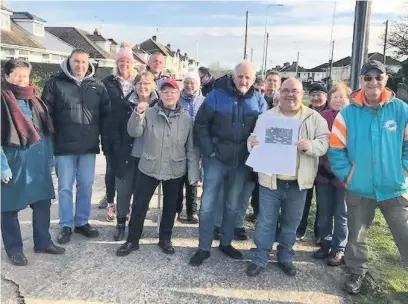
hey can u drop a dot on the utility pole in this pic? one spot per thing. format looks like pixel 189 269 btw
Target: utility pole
pixel 297 64
pixel 385 41
pixel 266 53
pixel 359 41
pixel 331 66
pixel 367 30
pixel 332 30
pixel 246 35
pixel 252 54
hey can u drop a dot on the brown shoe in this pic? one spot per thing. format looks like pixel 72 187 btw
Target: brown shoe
pixel 335 258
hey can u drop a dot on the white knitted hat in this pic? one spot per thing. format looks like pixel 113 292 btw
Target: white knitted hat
pixel 193 75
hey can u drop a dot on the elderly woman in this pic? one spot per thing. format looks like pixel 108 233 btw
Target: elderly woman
pixel 119 86
pixel 26 158
pixel 191 100
pixel 330 192
pixel 168 150
pixel 126 150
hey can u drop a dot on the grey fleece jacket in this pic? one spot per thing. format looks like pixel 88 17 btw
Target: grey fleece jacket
pixel 168 148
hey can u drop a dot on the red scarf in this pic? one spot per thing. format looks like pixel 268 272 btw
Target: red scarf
pixel 18 130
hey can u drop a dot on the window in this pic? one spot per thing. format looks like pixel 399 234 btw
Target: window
pixel 38 29
pixel 6 51
pixel 5 21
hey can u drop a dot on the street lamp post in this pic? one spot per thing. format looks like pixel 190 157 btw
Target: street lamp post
pixel 264 44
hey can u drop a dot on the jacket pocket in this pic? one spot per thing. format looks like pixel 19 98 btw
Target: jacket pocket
pixel 147 162
pixel 179 166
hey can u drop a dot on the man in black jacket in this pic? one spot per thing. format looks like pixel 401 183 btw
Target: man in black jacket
pixel 79 107
pixel 207 81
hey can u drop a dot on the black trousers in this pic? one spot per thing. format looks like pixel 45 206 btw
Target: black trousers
pixel 191 197
pixel 303 223
pixel 109 180
pixel 145 186
pixel 255 199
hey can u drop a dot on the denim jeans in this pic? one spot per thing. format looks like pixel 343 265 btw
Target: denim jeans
pixel 82 169
pixel 11 233
pixel 332 208
pixel 290 200
pixel 216 175
pixel 242 205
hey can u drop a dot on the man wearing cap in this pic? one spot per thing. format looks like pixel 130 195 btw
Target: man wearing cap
pixel 207 81
pixel 318 102
pixel 369 154
pixel 168 153
pixel 224 121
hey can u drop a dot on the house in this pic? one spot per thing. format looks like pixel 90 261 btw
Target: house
pixel 318 73
pixel 289 70
pixel 23 36
pixel 102 52
pixel 176 64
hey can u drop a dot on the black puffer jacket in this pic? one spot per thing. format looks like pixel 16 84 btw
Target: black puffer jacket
pixel 119 142
pixel 79 111
pixel 208 87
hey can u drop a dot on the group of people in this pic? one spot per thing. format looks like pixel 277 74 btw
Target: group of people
pixel 352 149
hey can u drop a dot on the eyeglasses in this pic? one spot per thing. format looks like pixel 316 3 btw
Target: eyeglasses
pixel 173 92
pixel 369 78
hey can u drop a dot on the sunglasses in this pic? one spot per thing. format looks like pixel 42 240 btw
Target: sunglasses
pixel 369 78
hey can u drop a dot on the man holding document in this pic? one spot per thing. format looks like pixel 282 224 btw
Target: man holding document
pixel 301 136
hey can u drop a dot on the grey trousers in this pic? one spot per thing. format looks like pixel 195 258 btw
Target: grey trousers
pixel 125 188
pixel 361 212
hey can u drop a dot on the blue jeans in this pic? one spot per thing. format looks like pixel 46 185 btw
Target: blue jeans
pixel 333 208
pixel 11 233
pixel 242 204
pixel 290 200
pixel 216 175
pixel 82 169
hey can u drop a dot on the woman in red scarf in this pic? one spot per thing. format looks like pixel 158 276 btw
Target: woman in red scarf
pixel 26 158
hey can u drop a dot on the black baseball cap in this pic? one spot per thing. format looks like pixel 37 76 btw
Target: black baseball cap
pixel 318 87
pixel 373 65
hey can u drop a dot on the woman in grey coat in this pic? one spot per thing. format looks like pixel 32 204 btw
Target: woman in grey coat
pixel 168 152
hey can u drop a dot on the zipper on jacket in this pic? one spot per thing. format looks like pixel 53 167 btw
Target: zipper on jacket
pixel 234 128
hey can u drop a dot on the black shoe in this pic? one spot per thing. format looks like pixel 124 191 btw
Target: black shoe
pixel 198 258
pixel 231 252
pixel 216 234
pixel 288 268
pixel 322 252
pixel 240 234
pixel 119 234
pixel 192 219
pixel 166 246
pixel 253 270
pixel 64 236
pixel 52 249
pixel 300 236
pixel 353 283
pixel 127 248
pixel 18 259
pixel 87 231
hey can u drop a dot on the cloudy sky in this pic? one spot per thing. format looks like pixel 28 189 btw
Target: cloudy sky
pixel 214 30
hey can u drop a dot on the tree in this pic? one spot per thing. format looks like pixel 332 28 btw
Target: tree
pixel 397 39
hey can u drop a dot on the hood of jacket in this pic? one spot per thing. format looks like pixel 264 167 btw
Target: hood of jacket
pixel 65 69
pixel 190 97
pixel 358 97
pixel 134 98
pixel 226 84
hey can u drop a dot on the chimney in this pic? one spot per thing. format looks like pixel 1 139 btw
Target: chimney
pixel 294 63
pixel 286 64
pixel 168 46
pixel 154 38
pixel 185 55
pixel 96 32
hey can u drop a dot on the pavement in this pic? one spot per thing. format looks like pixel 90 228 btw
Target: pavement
pixel 90 272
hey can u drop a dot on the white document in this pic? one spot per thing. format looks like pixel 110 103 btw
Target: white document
pixel 277 151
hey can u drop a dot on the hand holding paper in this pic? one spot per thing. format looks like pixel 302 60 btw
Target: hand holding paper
pixel 303 145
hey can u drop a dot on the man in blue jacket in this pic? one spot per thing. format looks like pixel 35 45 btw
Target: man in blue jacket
pixel 222 126
pixel 369 153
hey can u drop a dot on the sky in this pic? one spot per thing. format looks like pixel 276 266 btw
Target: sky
pixel 213 31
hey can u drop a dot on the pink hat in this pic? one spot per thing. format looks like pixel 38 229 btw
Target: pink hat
pixel 125 51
